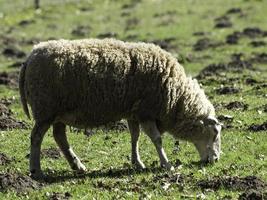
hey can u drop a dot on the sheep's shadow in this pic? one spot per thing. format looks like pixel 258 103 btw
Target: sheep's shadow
pixel 62 176
pixel 56 177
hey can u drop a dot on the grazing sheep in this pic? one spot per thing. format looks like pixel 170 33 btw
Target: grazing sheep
pixel 87 83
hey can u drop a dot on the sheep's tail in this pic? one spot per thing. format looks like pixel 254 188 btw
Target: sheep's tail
pixel 22 90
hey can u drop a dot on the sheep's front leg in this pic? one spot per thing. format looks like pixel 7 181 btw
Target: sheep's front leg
pixel 152 131
pixel 59 133
pixel 37 136
pixel 135 133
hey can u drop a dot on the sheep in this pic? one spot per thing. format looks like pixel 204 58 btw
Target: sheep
pixel 90 82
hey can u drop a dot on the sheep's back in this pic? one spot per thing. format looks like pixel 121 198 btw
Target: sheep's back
pixel 101 81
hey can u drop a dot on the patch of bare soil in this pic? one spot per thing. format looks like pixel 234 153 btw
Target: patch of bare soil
pixel 223 22
pixel 227 90
pixel 7 121
pixel 107 35
pixel 260 86
pixel 258 127
pixel 253 195
pixel 131 5
pixel 258 43
pixel 16 64
pixel 251 81
pixel 237 105
pixel 26 22
pixel 165 43
pixel 250 32
pixel 237 64
pixel 51 152
pixel 4 159
pixel 59 196
pixel 17 182
pixel 10 79
pixel 177 179
pixel 234 11
pixel 13 52
pixel 205 43
pixel 81 31
pixel 259 58
pixel 253 32
pixel 235 183
pixel 233 38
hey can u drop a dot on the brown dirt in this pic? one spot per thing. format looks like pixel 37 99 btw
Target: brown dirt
pixel 59 196
pixel 233 38
pixel 237 105
pixel 253 195
pixel 251 81
pixel 258 127
pixel 13 52
pixel 107 35
pixel 17 182
pixel 235 183
pixel 260 86
pixel 253 32
pixel 16 64
pixel 223 22
pixel 4 159
pixel 10 79
pixel 81 31
pixel 227 90
pixel 259 58
pixel 165 43
pixel 200 33
pixel 26 22
pixel 250 32
pixel 234 11
pixel 257 43
pixel 176 178
pixel 51 152
pixel 237 64
pixel 205 43
pixel 7 121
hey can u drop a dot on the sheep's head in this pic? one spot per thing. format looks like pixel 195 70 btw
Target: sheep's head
pixel 209 142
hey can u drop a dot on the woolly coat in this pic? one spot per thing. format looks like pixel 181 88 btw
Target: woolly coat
pixel 90 82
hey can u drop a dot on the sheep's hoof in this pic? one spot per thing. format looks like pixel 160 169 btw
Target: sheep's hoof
pixel 37 175
pixel 139 165
pixel 167 166
pixel 80 168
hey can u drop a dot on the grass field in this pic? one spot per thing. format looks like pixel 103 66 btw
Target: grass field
pixel 221 42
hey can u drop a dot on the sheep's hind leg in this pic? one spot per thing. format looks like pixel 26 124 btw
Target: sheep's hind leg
pixel 59 133
pixel 37 136
pixel 152 131
pixel 135 133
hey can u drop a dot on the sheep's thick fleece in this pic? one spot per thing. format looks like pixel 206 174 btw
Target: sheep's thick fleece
pixel 90 82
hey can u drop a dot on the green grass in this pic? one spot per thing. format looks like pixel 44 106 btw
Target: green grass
pixel 109 173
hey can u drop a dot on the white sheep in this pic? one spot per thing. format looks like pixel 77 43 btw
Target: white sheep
pixel 87 83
